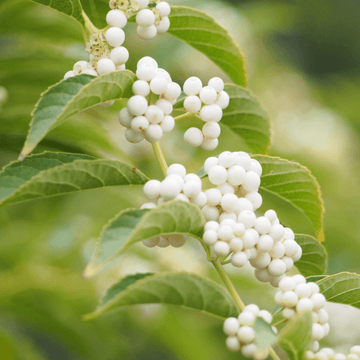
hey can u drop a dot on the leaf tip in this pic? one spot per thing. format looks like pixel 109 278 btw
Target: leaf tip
pixel 90 271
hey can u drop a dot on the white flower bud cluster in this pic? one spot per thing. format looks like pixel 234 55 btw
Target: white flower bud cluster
pixel 178 185
pixel 150 121
pixel 209 102
pixel 232 226
pixel 152 21
pixel 296 296
pixel 241 334
pixel 330 354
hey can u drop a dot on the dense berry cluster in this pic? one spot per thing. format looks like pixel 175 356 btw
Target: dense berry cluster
pixel 241 334
pixel 178 185
pixel 330 354
pixel 232 225
pixel 209 102
pixel 142 119
pixel 295 295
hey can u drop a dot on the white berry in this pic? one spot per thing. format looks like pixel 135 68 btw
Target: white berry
pixel 192 104
pixel 193 137
pixel 137 105
pixel 115 36
pixel 152 189
pixel 116 18
pixel 105 66
pixel 192 86
pixel 153 133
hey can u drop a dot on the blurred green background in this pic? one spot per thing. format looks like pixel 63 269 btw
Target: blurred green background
pixel 303 63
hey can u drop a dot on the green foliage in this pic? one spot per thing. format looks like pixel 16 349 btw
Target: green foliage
pixel 265 335
pixel 182 289
pixel 244 117
pixel 294 184
pixel 71 96
pixel 342 288
pixel 295 336
pixel 69 7
pixel 314 257
pixel 132 226
pixel 50 174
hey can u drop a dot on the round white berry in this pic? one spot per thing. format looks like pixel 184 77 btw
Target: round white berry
pixel 169 189
pixel 251 181
pixel 158 85
pixel 152 189
pixel 209 144
pixel 193 137
pixel 339 356
pixel 265 243
pixel 182 197
pixel 153 133
pixel 246 334
pixel 277 267
pixel 256 167
pixel 317 332
pixel 147 60
pixel 145 18
pixel 192 104
pixel 249 350
pixel 80 65
pixel 221 248
pixel 291 247
pixel 164 8
pixel 277 232
pixel 119 55
pixel 245 204
pixel 200 200
pixel 208 95
pixel 236 245
pixel 192 86
pixel 115 36
pixel 287 284
pixel 211 113
pixel 314 287
pixel 303 291
pixel 231 326
pixel 177 169
pixel 69 74
pixel 137 105
pixel 271 215
pixel 236 175
pixel 164 74
pixel 165 106
pixel 192 189
pixel 289 299
pixel 298 255
pixel 90 72
pixel 247 218
pixel 209 163
pixel 232 342
pixel 323 317
pixel 288 313
pixel 355 350
pixel 262 275
pixel 164 25
pixel 154 114
pixel 105 66
pixel 146 72
pixel 210 237
pixel 239 229
pixel 116 18
pixel 352 357
pixel 125 117
pixel 139 123
pixel 172 91
pixel 262 225
pixel 133 137
pixel 288 261
pixel 265 315
pixel 217 175
pixel 212 225
pixel 149 205
pixel 217 84
pixel 211 213
pixel 243 159
pixel 255 198
pixel 211 130
pixel 246 318
pixel 178 179
pixel 289 234
pixel 225 233
pixel 223 100
pixel 150 243
pixel 213 197
pixel 318 301
pixel 261 261
pixel 253 308
pixel 147 33
pixel 229 202
pixel 226 159
pixel 120 67
pixel 167 124
pixel 299 279
pixel 277 251
pixel 304 304
pixel 227 216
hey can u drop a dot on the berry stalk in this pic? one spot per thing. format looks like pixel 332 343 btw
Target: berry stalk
pixel 160 157
pixel 90 28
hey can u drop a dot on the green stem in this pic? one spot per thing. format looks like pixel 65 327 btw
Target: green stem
pixel 90 28
pixel 236 297
pixel 160 157
pixel 226 262
pixel 183 116
pixel 279 322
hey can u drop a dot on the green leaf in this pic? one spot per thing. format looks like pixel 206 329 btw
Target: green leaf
pixel 181 289
pixel 50 174
pixel 132 226
pixel 342 288
pixel 295 336
pixel 265 335
pixel 244 117
pixel 203 33
pixel 314 257
pixel 69 7
pixel 71 96
pixel 293 184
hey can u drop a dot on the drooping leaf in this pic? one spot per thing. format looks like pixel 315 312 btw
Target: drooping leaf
pixel 69 7
pixel 314 257
pixel 265 335
pixel 131 226
pixel 342 288
pixel 293 184
pixel 181 289
pixel 295 336
pixel 71 96
pixel 50 174
pixel 244 117
pixel 203 33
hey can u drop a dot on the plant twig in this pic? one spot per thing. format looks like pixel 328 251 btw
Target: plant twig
pixel 160 157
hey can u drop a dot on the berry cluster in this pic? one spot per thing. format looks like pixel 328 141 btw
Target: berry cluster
pixel 177 186
pixel 209 102
pixel 150 121
pixel 329 354
pixel 241 334
pixel 295 295
pixel 152 21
